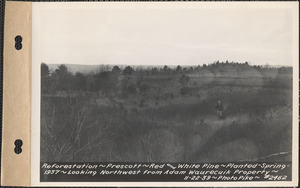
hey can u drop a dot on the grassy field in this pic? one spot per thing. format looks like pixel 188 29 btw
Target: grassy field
pixel 164 124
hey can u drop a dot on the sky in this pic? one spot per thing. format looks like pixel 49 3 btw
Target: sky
pixel 168 35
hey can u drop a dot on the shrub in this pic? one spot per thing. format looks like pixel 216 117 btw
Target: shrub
pixel 183 80
pixel 184 91
pixel 144 88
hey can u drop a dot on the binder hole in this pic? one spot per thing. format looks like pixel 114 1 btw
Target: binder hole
pixel 18 42
pixel 18 144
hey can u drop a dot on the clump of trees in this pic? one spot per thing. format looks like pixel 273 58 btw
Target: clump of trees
pixel 61 80
pixel 106 81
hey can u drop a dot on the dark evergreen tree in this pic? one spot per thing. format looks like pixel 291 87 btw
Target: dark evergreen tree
pixel 128 71
pixel 45 79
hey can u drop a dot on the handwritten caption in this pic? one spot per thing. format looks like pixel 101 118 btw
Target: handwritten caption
pixel 165 172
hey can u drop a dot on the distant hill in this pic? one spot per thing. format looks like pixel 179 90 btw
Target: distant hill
pixel 86 69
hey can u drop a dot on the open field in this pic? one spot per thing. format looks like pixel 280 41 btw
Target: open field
pixel 163 116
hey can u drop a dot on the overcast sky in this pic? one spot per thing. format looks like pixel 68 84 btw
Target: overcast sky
pixel 159 36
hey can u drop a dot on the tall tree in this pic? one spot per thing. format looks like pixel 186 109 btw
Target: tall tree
pixel 128 71
pixel 116 69
pixel 178 68
pixel 166 68
pixel 63 78
pixel 45 78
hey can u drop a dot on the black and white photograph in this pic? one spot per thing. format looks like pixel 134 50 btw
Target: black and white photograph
pixel 164 83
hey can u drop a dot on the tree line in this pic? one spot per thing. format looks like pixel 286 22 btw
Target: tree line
pixel 127 80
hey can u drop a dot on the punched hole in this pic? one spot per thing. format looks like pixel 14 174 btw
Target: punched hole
pixel 18 144
pixel 18 42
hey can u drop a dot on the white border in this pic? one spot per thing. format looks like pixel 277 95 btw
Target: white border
pixel 37 8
